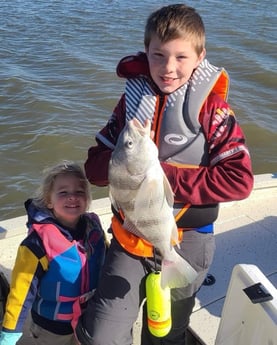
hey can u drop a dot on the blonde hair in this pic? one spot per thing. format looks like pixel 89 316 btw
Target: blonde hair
pixel 43 193
pixel 176 21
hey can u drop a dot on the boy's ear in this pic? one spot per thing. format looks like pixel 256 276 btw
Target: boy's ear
pixel 202 55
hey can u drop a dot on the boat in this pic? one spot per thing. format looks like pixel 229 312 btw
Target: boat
pixel 245 260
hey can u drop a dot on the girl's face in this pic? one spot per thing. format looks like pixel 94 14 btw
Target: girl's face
pixel 172 63
pixel 68 200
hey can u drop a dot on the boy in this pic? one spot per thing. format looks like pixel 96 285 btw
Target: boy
pixel 202 151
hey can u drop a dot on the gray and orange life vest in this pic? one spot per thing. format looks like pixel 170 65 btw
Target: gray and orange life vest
pixel 178 135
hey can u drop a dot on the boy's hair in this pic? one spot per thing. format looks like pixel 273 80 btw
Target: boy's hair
pixel 176 21
pixel 43 194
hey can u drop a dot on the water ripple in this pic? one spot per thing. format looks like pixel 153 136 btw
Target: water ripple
pixel 58 82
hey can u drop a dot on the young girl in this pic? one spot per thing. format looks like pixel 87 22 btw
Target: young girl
pixel 58 263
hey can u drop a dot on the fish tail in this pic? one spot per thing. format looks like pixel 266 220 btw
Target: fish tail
pixel 177 273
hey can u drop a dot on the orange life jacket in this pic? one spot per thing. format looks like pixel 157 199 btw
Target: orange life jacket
pixel 133 244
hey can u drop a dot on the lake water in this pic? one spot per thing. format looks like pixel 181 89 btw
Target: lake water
pixel 58 83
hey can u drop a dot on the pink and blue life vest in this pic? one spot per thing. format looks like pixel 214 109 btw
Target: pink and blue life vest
pixel 73 270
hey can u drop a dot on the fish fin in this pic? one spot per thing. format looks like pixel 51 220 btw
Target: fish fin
pixel 178 273
pixel 168 192
pixel 149 187
pixel 113 202
pixel 174 235
pixel 131 227
pixel 128 225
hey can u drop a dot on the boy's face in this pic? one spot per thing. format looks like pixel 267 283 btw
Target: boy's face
pixel 172 63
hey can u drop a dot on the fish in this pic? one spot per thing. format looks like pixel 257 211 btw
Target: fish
pixel 139 188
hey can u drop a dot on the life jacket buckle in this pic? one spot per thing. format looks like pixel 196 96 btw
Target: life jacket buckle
pixel 86 296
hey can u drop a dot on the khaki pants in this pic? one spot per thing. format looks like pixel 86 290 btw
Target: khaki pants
pixel 39 336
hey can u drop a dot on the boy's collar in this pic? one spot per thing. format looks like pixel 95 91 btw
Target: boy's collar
pixel 133 66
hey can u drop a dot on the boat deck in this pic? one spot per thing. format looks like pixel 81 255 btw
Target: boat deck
pixel 246 233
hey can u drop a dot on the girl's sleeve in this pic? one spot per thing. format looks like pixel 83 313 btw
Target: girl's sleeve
pixel 30 265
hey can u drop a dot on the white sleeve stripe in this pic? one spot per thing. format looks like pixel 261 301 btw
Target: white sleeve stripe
pixel 229 153
pixel 105 141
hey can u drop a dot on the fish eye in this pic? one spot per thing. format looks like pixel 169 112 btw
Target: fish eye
pixel 129 143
